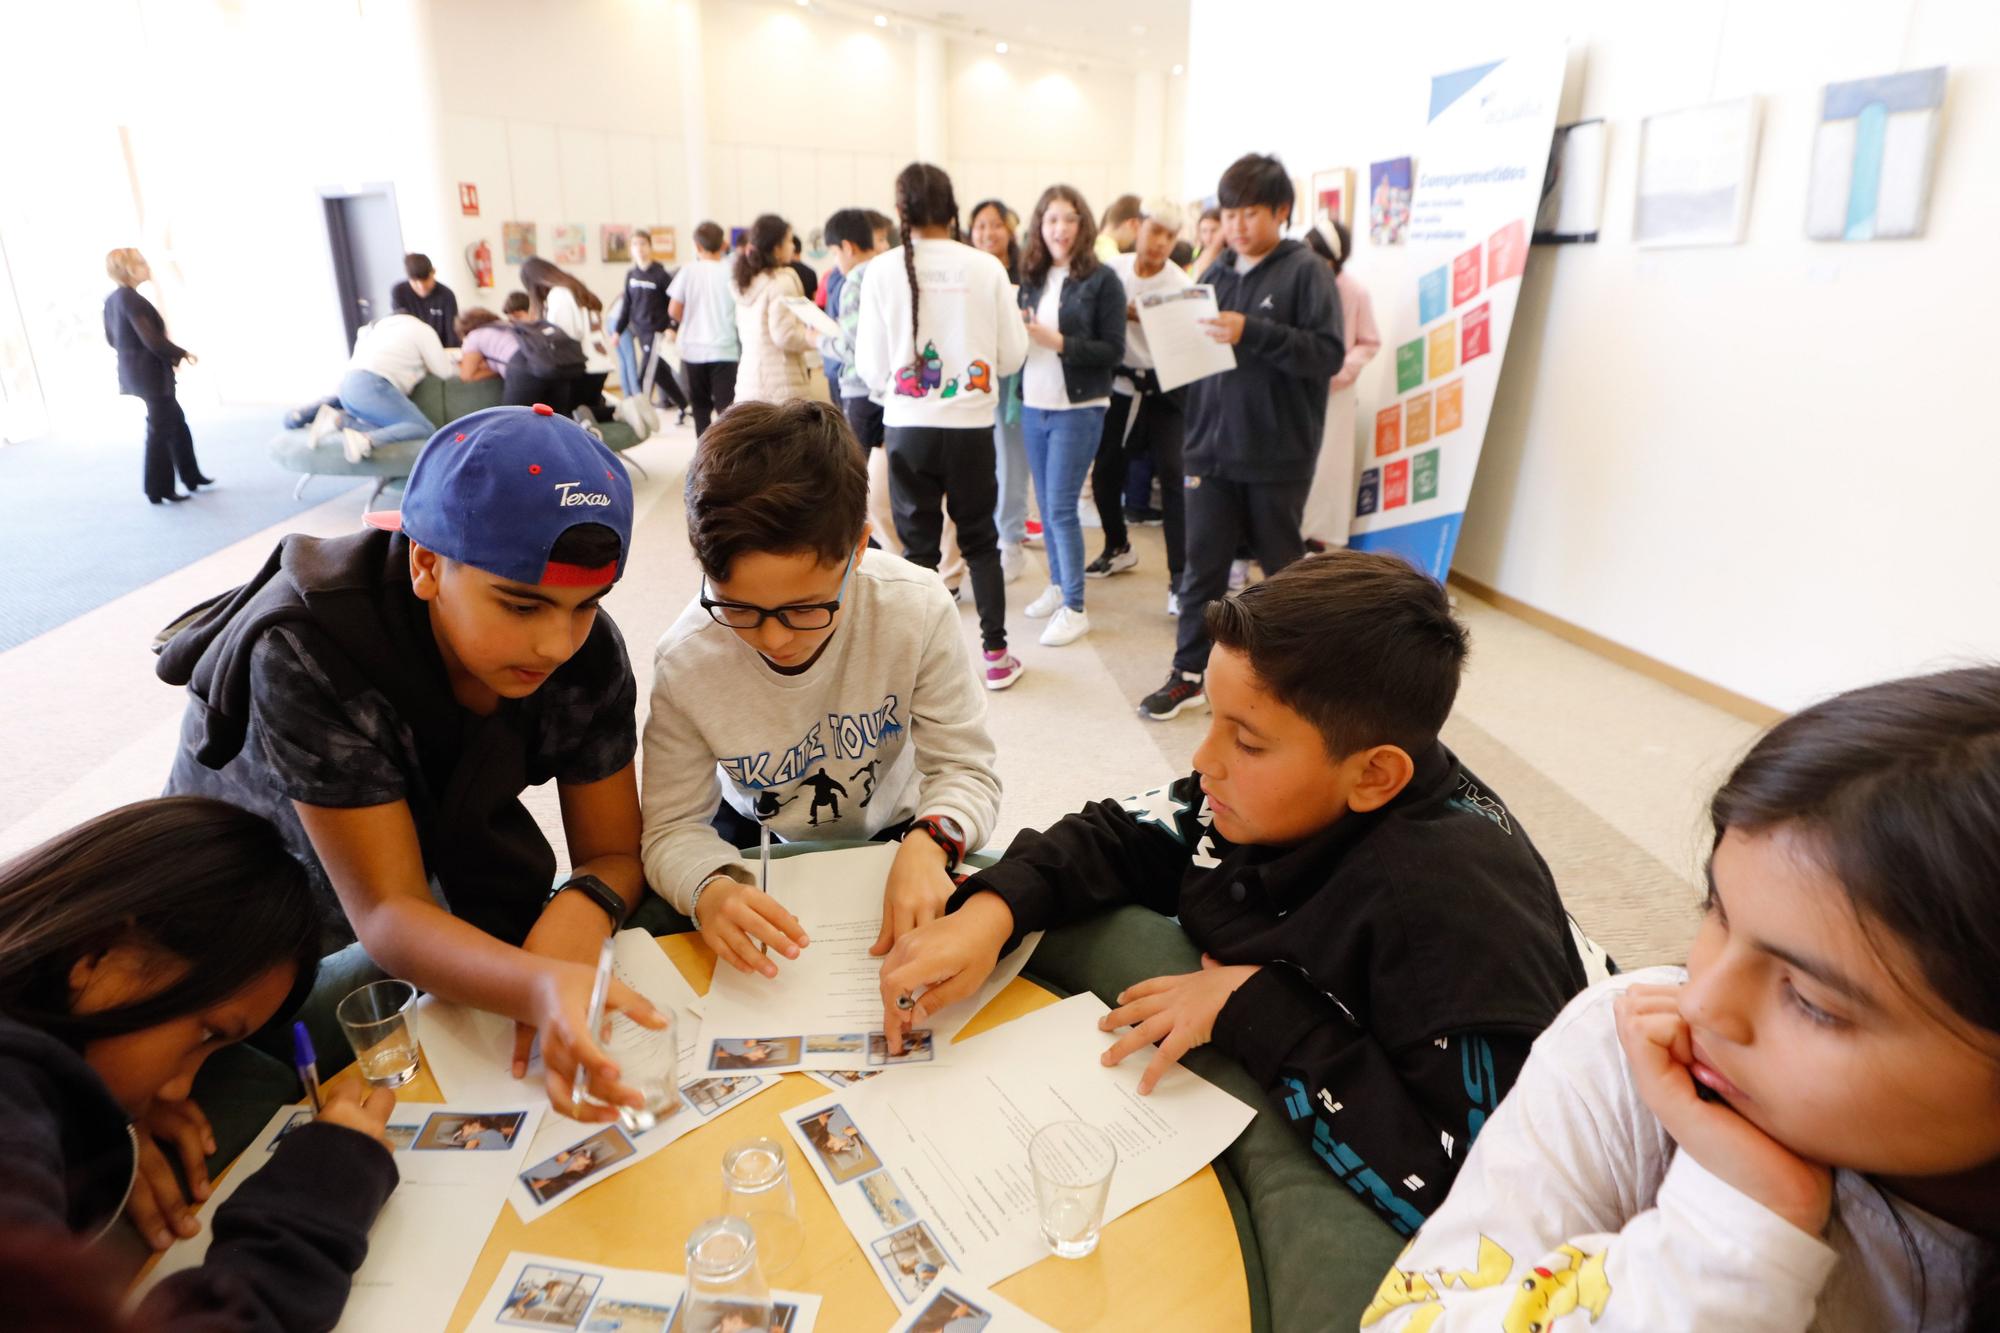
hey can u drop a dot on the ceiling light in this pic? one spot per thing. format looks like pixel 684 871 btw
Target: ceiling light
pixel 1138 30
pixel 1000 48
pixel 1180 69
pixel 881 20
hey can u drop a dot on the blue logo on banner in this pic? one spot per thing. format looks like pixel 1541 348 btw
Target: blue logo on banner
pixel 1368 495
pixel 1432 299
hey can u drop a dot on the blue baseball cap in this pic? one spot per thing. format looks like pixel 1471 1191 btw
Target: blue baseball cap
pixel 497 489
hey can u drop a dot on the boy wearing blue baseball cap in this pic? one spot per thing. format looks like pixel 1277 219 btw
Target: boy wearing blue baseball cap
pixel 386 697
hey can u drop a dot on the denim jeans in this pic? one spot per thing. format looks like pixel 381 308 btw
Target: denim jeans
pixel 1011 452
pixel 1061 447
pixel 380 411
pixel 629 367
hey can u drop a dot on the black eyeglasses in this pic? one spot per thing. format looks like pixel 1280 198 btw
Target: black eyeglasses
pixel 806 615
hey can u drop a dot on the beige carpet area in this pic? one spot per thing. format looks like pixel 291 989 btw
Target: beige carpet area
pixel 1607 769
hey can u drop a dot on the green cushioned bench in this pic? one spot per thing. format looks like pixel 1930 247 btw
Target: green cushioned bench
pixel 441 400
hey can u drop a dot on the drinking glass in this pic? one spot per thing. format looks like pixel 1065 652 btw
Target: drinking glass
pixel 757 1187
pixel 380 1023
pixel 648 1059
pixel 723 1279
pixel 1072 1163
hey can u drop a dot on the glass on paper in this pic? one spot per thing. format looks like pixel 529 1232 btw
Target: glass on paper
pixel 648 1060
pixel 725 1287
pixel 380 1026
pixel 1182 349
pixel 1072 1163
pixel 757 1187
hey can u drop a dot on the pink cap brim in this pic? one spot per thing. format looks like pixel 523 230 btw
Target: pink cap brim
pixel 388 520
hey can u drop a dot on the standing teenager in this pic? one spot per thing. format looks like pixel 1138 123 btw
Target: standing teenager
pixel 1330 502
pixel 937 332
pixel 700 301
pixel 774 339
pixel 1075 309
pixel 995 230
pixel 146 361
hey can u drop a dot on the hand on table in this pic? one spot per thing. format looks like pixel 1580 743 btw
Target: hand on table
pixel 1659 1050
pixel 1178 1012
pixel 1226 327
pixel 566 939
pixel 357 1105
pixel 741 922
pixel 156 1205
pixel 917 890
pixel 946 959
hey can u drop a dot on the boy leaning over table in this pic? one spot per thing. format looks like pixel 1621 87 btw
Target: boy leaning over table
pixel 1381 941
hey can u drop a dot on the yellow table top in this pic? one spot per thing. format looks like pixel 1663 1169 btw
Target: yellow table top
pixel 1170 1263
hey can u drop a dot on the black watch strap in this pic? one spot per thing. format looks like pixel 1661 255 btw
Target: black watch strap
pixel 598 892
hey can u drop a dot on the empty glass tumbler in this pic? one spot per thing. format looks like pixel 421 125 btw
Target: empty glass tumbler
pixel 757 1187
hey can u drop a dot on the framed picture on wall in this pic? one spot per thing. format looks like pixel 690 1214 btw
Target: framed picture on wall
pixel 570 246
pixel 1333 195
pixel 517 240
pixel 664 244
pixel 616 243
pixel 1873 154
pixel 1389 200
pixel 1695 168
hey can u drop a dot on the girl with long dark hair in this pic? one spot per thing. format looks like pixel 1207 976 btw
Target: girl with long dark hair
pixel 1799 1130
pixel 775 341
pixel 937 335
pixel 994 228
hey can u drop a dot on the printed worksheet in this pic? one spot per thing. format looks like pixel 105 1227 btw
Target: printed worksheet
pixel 541 1291
pixel 1182 350
pixel 471 1052
pixel 824 1009
pixel 457 1162
pixel 952 1304
pixel 932 1173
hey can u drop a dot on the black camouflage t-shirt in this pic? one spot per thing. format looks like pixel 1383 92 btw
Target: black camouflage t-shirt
pixel 307 743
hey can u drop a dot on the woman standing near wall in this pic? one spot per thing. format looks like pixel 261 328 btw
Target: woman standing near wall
pixel 775 341
pixel 1330 502
pixel 1075 308
pixel 994 230
pixel 146 361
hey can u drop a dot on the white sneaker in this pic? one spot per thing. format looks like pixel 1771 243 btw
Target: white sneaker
pixel 1013 561
pixel 1046 605
pixel 355 445
pixel 1174 605
pixel 1066 627
pixel 1239 575
pixel 325 422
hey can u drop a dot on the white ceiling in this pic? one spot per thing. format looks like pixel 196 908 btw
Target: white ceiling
pixel 1138 34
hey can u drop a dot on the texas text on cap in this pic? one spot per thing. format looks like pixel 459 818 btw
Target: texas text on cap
pixel 497 489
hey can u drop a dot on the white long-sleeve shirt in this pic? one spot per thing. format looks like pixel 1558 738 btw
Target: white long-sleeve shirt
pixel 1574 1213
pixel 400 348
pixel 970 331
pixel 888 724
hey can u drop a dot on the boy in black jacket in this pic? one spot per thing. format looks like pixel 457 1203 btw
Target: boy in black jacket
pixel 1381 942
pixel 1253 433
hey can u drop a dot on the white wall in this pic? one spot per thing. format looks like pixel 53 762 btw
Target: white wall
pixel 1020 125
pixel 1769 465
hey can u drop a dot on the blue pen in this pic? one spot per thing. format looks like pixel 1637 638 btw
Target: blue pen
pixel 307 1062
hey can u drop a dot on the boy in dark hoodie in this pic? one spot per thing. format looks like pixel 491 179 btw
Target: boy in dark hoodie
pixel 384 698
pixel 1253 433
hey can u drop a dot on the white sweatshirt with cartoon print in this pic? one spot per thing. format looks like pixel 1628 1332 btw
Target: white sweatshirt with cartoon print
pixel 1574 1213
pixel 969 334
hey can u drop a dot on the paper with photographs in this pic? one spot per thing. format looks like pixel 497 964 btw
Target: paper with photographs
pixel 1182 350
pixel 955 1304
pixel 824 1009
pixel 541 1291
pixel 456 1162
pixel 932 1173
pixel 471 1054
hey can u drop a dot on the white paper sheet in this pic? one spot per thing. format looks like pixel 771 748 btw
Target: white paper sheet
pixel 429 1235
pixel 955 1304
pixel 813 317
pixel 824 1009
pixel 1182 350
pixel 934 1172
pixel 471 1055
pixel 541 1291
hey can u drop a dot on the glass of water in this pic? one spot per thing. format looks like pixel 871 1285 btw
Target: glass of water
pixel 757 1187
pixel 380 1023
pixel 648 1060
pixel 725 1287
pixel 1072 1163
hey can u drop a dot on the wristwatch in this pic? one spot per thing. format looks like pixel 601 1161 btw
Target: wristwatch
pixel 947 833
pixel 598 892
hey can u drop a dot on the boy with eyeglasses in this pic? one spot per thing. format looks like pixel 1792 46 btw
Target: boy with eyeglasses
pixel 808 663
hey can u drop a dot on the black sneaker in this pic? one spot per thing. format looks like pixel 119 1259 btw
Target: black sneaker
pixel 1111 562
pixel 1151 518
pixel 1180 691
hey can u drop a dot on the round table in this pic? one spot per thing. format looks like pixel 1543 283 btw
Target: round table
pixel 1171 1263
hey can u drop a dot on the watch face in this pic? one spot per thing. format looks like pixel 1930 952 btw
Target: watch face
pixel 951 829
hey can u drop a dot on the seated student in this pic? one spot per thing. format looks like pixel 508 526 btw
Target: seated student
pixel 1381 940
pixel 489 342
pixel 428 299
pixel 131 947
pixel 385 697
pixel 814 683
pixel 1801 1127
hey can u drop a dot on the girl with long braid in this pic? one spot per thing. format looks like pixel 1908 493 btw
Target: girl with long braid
pixel 938 331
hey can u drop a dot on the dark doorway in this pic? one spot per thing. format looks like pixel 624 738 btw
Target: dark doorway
pixel 367 240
